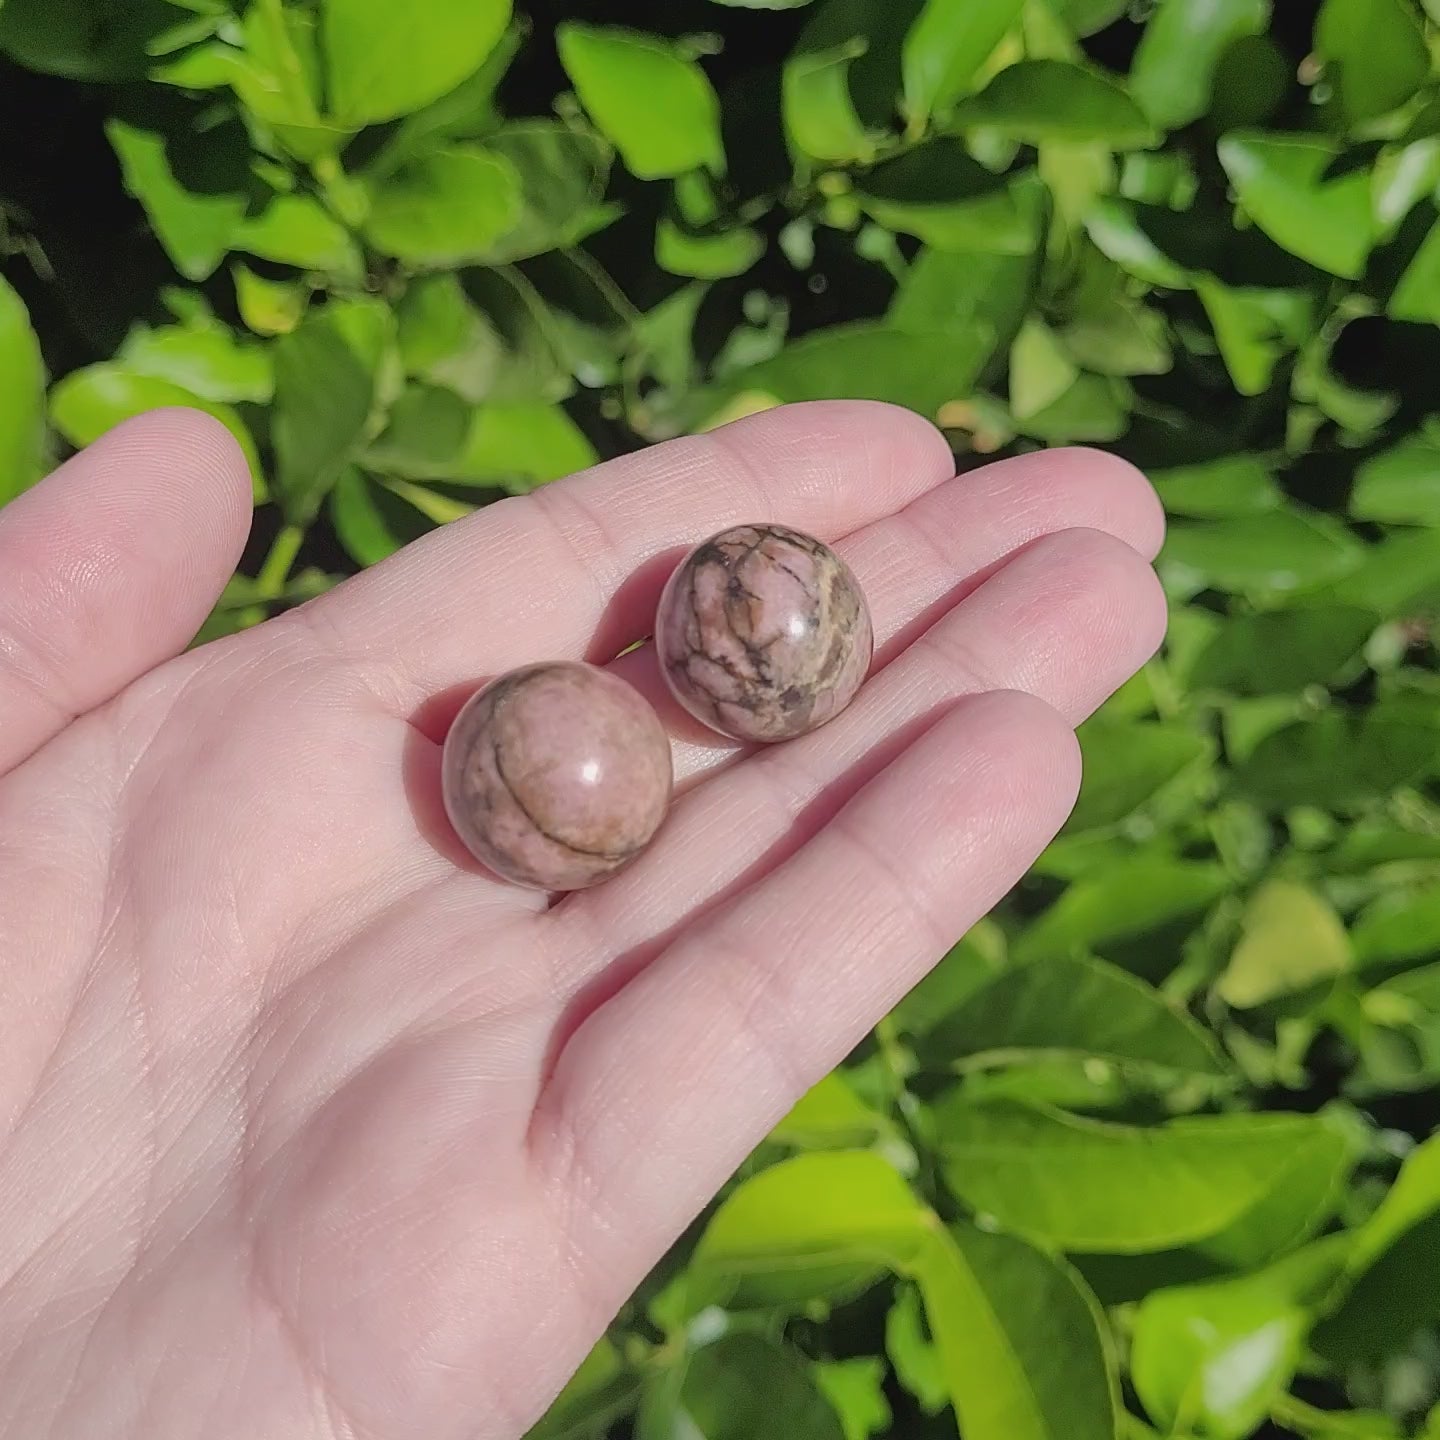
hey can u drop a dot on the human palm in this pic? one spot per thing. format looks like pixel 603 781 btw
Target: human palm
pixel 311 1128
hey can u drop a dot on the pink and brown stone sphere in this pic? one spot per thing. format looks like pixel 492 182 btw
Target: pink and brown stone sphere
pixel 556 775
pixel 763 633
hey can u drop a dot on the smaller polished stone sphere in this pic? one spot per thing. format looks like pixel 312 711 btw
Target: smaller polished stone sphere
pixel 556 775
pixel 763 633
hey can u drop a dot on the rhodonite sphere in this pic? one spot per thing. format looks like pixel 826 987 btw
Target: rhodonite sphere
pixel 763 633
pixel 556 775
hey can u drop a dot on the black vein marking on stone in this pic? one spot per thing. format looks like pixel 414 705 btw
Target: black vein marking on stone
pixel 805 543
pixel 794 575
pixel 708 555
pixel 554 839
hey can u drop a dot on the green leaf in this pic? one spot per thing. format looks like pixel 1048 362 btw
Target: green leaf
pixel 563 174
pixel 269 307
pixel 1173 73
pixel 1290 939
pixel 714 256
pixel 1038 100
pixel 1116 231
pixel 602 1390
pixel 820 116
pixel 1375 54
pixel 1313 1424
pixel 384 61
pixel 1220 489
pixel 1021 1342
pixel 433 435
pixel 522 445
pixel 241 604
pixel 518 349
pixel 104 40
pixel 867 360
pixel 946 47
pixel 937 193
pixel 424 435
pixel 468 112
pixel 830 1116
pixel 856 1392
pixel 912 1353
pixel 1395 1253
pixel 1126 764
pixel 444 339
pixel 195 228
pixel 1129 898
pixel 1337 760
pixel 1400 486
pixel 88 403
pixel 208 360
pixel 22 397
pixel 741 1386
pixel 1306 1191
pixel 1092 1186
pixel 1070 1006
pixel 1255 328
pixel 1398 578
pixel 1119 336
pixel 326 381
pixel 653 103
pixel 968 966
pixel 1414 1198
pixel 840 85
pixel 1214 1358
pixel 1398 927
pixel 445 208
pixel 277 76
pixel 960 291
pixel 1416 295
pixel 1278 651
pixel 296 230
pixel 371 521
pixel 1040 370
pixel 817 1226
pixel 1284 182
pixel 1404 175
pixel 1094 410
pixel 1268 554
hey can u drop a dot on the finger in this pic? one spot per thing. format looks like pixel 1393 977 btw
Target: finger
pixel 111 565
pixel 923 560
pixel 1068 621
pixel 691 1064
pixel 574 569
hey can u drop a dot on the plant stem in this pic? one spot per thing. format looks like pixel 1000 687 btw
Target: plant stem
pixel 270 582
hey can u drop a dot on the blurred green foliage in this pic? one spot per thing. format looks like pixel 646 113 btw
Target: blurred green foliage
pixel 1151 1152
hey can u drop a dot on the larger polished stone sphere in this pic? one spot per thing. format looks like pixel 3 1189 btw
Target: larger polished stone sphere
pixel 763 633
pixel 556 775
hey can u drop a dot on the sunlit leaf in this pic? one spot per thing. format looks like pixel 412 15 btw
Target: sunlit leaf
pixel 22 398
pixel 1091 1185
pixel 1286 184
pixel 384 60
pixel 652 102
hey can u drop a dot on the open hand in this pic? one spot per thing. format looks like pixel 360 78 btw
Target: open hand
pixel 308 1127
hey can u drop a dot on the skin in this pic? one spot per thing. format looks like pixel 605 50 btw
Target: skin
pixel 309 1127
